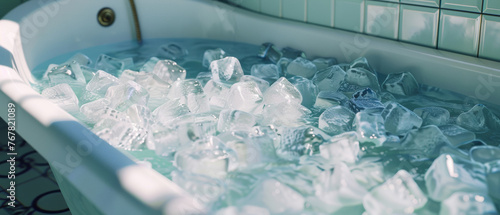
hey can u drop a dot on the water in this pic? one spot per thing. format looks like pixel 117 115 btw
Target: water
pixel 261 130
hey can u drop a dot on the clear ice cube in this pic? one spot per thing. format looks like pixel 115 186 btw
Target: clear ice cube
pixel 95 110
pixel 298 141
pixel 327 99
pixel 449 174
pixel 426 140
pixel 398 195
pixel 474 119
pixel 296 114
pixel 399 120
pixel 149 66
pixel 113 65
pixel 277 197
pixel 204 77
pixel 234 120
pixel 245 96
pixel 456 134
pixel 282 91
pixel 157 89
pixel 361 62
pixel 63 96
pixel 206 157
pixel 226 70
pixel 301 67
pixel 172 51
pixel 336 120
pixel 211 55
pixel 366 100
pixel 169 71
pixel 121 133
pixel 403 84
pixel 485 154
pixel 357 79
pixel 289 52
pixel 140 115
pixel 433 115
pixel 190 93
pixel 329 79
pixel 323 63
pixel 169 110
pixel 269 72
pixel 70 73
pixel 261 83
pixel 307 89
pixel 217 94
pixel 204 189
pixel 370 127
pixel 283 64
pixel 341 148
pixel 270 52
pixel 337 189
pixel 461 203
pixel 101 82
pixel 125 94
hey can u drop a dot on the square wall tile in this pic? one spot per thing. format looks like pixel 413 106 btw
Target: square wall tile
pixel 349 15
pixel 251 5
pixel 490 38
pixel 463 5
pixel 381 19
pixel 320 12
pixel 271 7
pixel 294 9
pixel 429 3
pixel 459 32
pixel 491 7
pixel 418 25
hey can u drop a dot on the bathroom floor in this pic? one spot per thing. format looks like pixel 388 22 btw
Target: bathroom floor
pixel 36 189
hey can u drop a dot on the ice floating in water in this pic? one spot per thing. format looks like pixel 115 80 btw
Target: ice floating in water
pixel 294 137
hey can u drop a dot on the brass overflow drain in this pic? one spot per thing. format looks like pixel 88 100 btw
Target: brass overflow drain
pixel 106 17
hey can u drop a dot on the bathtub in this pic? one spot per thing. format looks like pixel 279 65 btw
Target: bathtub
pixel 96 178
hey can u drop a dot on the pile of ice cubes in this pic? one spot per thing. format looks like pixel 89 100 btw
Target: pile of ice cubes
pixel 292 136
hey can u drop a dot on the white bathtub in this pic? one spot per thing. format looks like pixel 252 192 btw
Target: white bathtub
pixel 96 178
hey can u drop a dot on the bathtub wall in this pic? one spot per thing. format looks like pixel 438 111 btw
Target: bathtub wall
pixel 470 27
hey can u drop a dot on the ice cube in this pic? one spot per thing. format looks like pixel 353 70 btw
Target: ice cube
pixel 270 52
pixel 88 72
pixel 140 115
pixel 485 154
pixel 398 195
pixel 205 189
pixel 336 120
pixel 101 82
pixel 233 120
pixel 361 62
pixel 366 100
pixel 206 157
pixel 113 66
pixel 172 51
pixel 244 210
pixel 474 119
pixel 268 72
pixel 245 96
pixel 323 63
pixel 95 110
pixel 357 79
pixel 292 53
pixel 131 75
pixel 204 77
pixel 122 134
pixel 190 93
pixel 326 99
pixel 125 94
pixel 467 146
pixel 449 174
pixel 261 83
pixel 370 127
pixel 461 203
pixel 336 190
pixel 69 73
pixel 296 114
pixel 81 59
pixel 433 115
pixel 493 178
pixel 403 84
pixel 329 79
pixel 283 64
pixel 282 91
pixel 169 110
pixel 427 140
pixel 63 96
pixel 157 89
pixel 211 55
pixel 226 70
pixel 149 66
pixel 399 120
pixel 259 147
pixel 456 134
pixel 341 148
pixel 307 89
pixel 169 71
pixel 217 94
pixel 276 197
pixel 301 67
pixel 368 172
pixel 298 141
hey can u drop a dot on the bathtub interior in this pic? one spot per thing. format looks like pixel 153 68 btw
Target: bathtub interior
pixel 41 30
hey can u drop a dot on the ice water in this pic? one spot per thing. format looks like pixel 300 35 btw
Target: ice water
pixel 248 129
